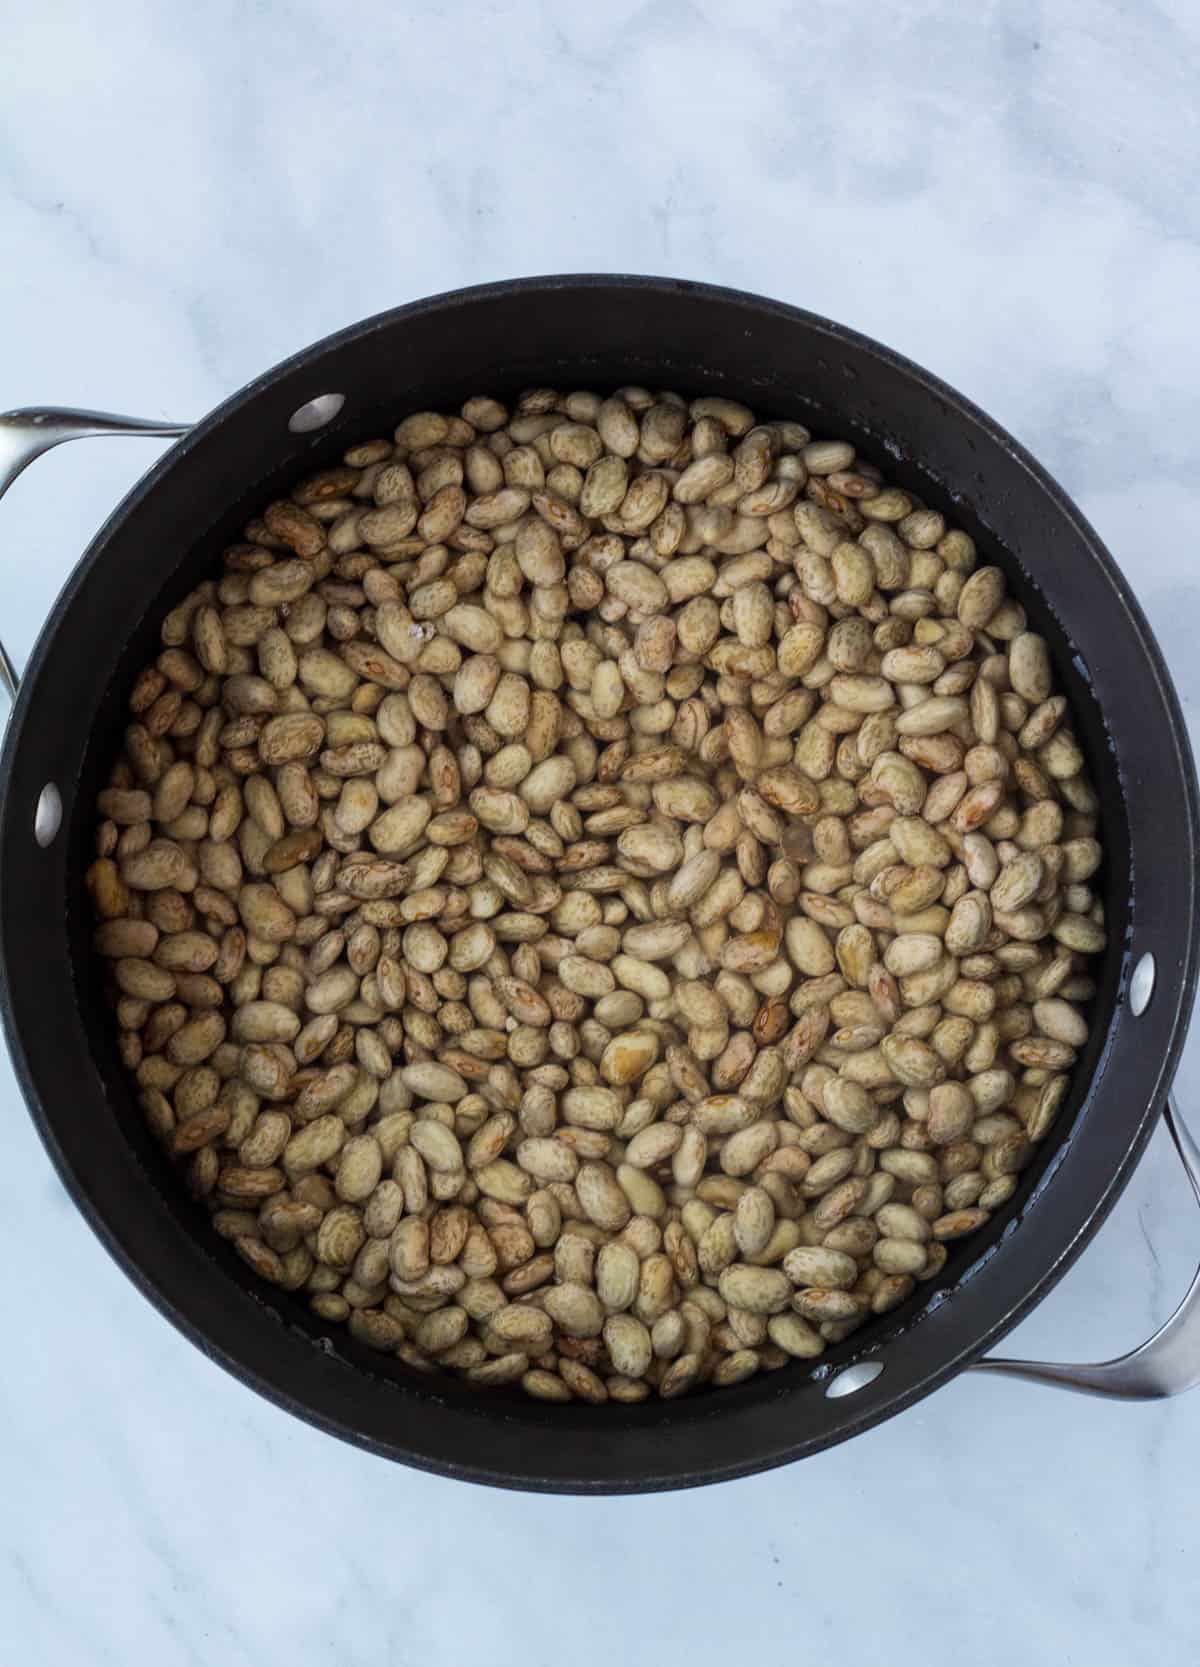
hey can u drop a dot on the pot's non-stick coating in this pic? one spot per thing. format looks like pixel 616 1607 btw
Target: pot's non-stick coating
pixel 588 332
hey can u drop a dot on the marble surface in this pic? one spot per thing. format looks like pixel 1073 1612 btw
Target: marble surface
pixel 1005 191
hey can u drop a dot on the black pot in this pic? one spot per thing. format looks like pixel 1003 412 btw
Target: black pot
pixel 594 332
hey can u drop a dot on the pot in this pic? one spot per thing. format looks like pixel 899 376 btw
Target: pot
pixel 598 332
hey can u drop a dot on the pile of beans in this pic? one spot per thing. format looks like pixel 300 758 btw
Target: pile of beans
pixel 597 894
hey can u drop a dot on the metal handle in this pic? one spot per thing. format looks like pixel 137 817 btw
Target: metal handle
pixel 1168 1363
pixel 26 434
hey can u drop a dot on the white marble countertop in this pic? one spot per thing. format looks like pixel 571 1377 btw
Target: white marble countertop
pixel 1004 192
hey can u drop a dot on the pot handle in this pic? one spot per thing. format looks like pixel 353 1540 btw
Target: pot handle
pixel 26 434
pixel 1168 1363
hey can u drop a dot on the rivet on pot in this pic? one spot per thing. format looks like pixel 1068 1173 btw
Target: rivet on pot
pixel 1141 985
pixel 47 818
pixel 853 1378
pixel 315 413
